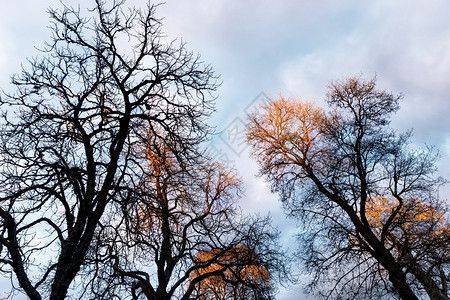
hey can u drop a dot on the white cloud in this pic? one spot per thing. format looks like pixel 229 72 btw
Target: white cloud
pixel 407 45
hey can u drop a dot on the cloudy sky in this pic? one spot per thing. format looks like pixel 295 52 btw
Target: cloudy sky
pixel 294 48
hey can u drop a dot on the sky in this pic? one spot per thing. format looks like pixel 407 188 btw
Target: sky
pixel 293 48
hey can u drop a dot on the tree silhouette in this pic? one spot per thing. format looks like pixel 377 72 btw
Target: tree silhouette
pixel 420 234
pixel 243 276
pixel 330 169
pixel 107 77
pixel 155 246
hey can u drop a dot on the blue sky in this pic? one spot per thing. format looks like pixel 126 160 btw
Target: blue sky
pixel 295 48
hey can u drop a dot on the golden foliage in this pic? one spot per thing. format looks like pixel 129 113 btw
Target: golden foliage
pixel 236 271
pixel 176 193
pixel 285 123
pixel 285 132
pixel 415 220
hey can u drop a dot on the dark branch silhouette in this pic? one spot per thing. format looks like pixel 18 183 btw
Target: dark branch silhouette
pixel 154 247
pixel 107 77
pixel 353 184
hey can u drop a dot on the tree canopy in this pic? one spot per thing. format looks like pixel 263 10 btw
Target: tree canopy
pixel 180 230
pixel 101 167
pixel 367 201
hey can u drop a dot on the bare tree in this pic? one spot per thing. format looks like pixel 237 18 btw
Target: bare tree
pixel 330 169
pixel 182 211
pixel 68 131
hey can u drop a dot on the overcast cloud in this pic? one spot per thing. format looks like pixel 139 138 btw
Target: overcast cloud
pixel 295 48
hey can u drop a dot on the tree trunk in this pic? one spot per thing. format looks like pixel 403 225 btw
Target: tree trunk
pixel 398 280
pixel 428 283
